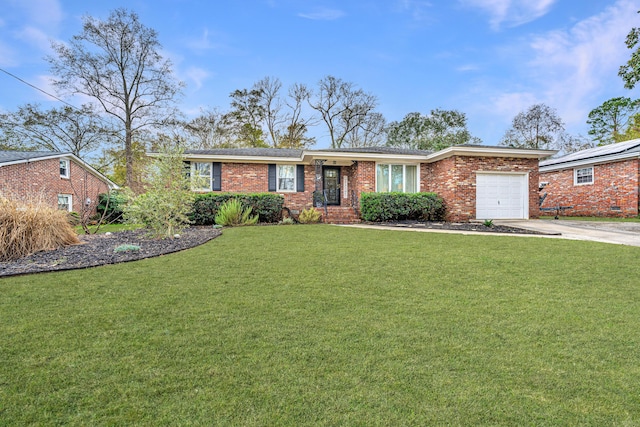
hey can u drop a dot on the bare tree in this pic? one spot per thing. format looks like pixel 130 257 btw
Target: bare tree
pixel 539 127
pixel 117 62
pixel 342 107
pixel 65 129
pixel 295 123
pixel 369 133
pixel 208 130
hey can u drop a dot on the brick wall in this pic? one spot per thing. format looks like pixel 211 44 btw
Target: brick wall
pixel 40 181
pixel 454 179
pixel 254 178
pixel 615 185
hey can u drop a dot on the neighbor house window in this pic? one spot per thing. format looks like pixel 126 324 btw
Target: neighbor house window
pixel 64 202
pixel 64 168
pixel 583 176
pixel 286 177
pixel 201 174
pixel 397 178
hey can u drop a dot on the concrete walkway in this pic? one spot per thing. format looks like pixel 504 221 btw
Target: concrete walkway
pixel 619 233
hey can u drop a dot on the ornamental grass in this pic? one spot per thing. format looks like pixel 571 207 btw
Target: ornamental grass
pixel 29 227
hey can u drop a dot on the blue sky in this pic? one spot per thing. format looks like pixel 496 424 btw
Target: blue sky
pixel 487 58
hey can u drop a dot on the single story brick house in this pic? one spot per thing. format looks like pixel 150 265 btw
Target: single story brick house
pixel 476 182
pixel 601 181
pixel 61 180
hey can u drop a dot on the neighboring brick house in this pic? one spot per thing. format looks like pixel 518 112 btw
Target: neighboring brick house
pixel 601 181
pixel 476 182
pixel 60 180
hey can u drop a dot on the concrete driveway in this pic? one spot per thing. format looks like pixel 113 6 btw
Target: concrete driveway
pixel 620 233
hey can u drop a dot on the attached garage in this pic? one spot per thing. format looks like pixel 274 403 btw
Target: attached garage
pixel 502 195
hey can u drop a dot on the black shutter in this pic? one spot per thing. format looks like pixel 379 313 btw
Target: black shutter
pixel 300 178
pixel 217 176
pixel 272 177
pixel 187 168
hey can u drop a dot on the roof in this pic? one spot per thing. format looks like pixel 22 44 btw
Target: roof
pixel 347 155
pixel 604 154
pixel 15 157
pixel 18 156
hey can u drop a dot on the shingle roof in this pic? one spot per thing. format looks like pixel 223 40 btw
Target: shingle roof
pixel 251 152
pixel 381 150
pixel 597 153
pixel 13 156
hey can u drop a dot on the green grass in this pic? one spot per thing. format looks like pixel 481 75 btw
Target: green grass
pixel 323 325
pixel 592 218
pixel 108 228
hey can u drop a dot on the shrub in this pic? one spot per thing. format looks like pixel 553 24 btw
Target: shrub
pixel 127 248
pixel 488 223
pixel 377 207
pixel 287 221
pixel 164 208
pixel 26 228
pixel 232 213
pixel 268 206
pixel 309 216
pixel 111 205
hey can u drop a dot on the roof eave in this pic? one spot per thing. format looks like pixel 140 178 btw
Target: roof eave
pixel 589 161
pixel 490 152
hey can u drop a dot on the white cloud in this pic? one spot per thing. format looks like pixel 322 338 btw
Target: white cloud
pixel 574 67
pixel 511 13
pixel 43 12
pixel 323 14
pixel 418 9
pixel 197 76
pixel 35 37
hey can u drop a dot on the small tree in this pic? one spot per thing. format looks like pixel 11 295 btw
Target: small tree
pixel 165 205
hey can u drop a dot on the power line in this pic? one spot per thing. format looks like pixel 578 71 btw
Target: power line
pixel 37 88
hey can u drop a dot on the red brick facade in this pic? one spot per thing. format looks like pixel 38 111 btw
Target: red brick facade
pixel 40 180
pixel 614 192
pixel 453 178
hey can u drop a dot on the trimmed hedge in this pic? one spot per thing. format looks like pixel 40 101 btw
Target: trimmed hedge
pixel 268 206
pixel 377 207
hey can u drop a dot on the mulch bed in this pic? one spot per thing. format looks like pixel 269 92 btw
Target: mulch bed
pixel 459 226
pixel 98 249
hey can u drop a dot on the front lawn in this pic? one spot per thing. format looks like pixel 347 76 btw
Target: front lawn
pixel 325 325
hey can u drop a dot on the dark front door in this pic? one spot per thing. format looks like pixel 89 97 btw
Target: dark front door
pixel 331 188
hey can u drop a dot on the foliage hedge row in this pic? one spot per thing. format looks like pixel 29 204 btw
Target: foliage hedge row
pixel 268 206
pixel 376 207
pixel 111 205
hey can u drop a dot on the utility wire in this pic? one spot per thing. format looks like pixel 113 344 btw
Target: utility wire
pixel 37 88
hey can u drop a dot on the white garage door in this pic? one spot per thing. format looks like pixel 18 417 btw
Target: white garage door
pixel 501 196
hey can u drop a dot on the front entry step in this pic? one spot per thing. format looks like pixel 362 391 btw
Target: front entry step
pixel 340 215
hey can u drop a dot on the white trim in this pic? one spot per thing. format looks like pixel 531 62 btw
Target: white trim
pixel 575 175
pixel 590 162
pixel 404 175
pixel 67 174
pixel 461 150
pixel 70 201
pixel 295 178
pixel 193 168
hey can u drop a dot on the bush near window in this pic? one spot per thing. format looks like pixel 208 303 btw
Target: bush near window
pixel 232 214
pixel 267 206
pixel 309 216
pixel 377 207
pixel 110 206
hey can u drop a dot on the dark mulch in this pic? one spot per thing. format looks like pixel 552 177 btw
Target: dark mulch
pixel 98 249
pixel 460 226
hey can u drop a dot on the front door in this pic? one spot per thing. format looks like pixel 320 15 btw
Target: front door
pixel 331 188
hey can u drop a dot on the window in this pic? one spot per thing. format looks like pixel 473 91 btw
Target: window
pixel 201 176
pixel 286 177
pixel 583 176
pixel 64 202
pixel 397 178
pixel 64 168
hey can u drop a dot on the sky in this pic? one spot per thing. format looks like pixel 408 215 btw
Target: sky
pixel 489 59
